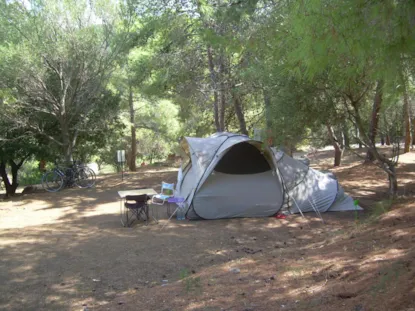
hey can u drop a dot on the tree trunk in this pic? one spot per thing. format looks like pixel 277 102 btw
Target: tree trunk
pixel 132 161
pixel 413 132
pixel 338 151
pixel 346 137
pixel 386 164
pixel 407 122
pixel 10 187
pixel 214 87
pixel 388 140
pixel 393 182
pixel 239 112
pixel 222 101
pixel 67 144
pixel 374 120
pixel 341 140
pixel 267 104
pixel 357 133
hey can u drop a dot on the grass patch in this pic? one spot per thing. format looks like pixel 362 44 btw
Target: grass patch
pixel 191 284
pixel 379 209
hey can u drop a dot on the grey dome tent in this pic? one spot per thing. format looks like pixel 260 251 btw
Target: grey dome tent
pixel 230 175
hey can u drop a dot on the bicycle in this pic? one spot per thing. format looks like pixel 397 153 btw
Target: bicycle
pixel 85 173
pixel 79 175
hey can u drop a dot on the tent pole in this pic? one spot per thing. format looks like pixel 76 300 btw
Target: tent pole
pixel 316 210
pixel 295 202
pixel 175 211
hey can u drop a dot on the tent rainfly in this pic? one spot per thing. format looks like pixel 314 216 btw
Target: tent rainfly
pixel 230 175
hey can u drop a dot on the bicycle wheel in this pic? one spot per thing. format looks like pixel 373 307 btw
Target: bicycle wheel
pixel 52 181
pixel 94 176
pixel 84 177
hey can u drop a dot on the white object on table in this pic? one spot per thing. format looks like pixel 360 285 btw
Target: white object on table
pixel 148 191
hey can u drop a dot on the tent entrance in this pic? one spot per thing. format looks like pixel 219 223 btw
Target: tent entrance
pixel 243 159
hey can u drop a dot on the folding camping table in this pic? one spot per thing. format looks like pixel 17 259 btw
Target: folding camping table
pixel 124 193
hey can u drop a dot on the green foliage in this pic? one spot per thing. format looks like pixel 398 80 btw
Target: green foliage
pixel 30 174
pixel 76 77
pixel 56 70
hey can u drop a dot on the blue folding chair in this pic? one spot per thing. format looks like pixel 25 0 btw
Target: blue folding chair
pixel 167 191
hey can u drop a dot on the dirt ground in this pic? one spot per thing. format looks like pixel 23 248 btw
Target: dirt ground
pixel 68 251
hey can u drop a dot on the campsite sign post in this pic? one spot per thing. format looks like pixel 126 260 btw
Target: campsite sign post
pixel 121 160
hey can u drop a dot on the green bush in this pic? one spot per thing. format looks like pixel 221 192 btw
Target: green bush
pixel 30 174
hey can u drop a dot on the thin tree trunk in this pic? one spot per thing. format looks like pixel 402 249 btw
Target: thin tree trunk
pixel 267 104
pixel 374 120
pixel 407 122
pixel 132 163
pixel 413 132
pixel 388 140
pixel 214 87
pixel 357 133
pixel 393 182
pixel 338 151
pixel 222 101
pixel 239 112
pixel 67 144
pixel 346 137
pixel 387 165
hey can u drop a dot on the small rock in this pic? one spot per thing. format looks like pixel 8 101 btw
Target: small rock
pixel 164 284
pixel 96 280
pixel 165 281
pixel 235 270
